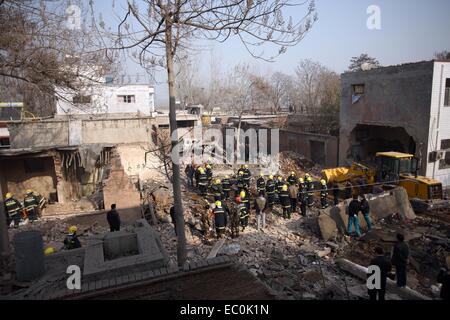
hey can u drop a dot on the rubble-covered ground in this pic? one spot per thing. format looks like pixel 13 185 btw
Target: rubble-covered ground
pixel 288 255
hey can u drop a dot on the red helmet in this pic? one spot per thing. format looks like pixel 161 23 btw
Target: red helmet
pixel 238 199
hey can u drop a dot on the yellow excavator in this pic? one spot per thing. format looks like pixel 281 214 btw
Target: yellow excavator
pixel 392 168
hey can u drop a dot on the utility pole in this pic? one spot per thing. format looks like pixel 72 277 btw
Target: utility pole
pixel 178 205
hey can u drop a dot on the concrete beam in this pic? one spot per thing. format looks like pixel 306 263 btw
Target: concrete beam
pixel 361 272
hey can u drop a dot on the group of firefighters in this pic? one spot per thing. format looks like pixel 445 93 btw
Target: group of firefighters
pixel 272 190
pixel 17 211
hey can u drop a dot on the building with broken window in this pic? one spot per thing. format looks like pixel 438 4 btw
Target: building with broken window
pixel 403 108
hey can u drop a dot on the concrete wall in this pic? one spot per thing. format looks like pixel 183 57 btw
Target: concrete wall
pixel 300 142
pixel 14 178
pixel 38 134
pixel 88 131
pixel 117 130
pixel 439 122
pixel 104 99
pixel 398 96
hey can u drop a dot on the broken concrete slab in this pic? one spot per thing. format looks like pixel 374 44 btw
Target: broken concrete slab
pixel 328 227
pixel 122 249
pixel 334 219
pixel 215 249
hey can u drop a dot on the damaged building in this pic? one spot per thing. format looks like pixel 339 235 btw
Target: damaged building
pixel 404 108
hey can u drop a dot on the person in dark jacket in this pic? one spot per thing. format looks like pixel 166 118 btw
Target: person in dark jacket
pixel 13 209
pixel 285 202
pixel 71 241
pixel 335 188
pixel 226 187
pixel 270 191
pixel 302 198
pixel 190 172
pixel 30 203
pixel 348 190
pixel 292 179
pixel 220 219
pixel 399 259
pixel 261 185
pixel 173 217
pixel 385 266
pixel 444 278
pixel 365 210
pixel 113 219
pixel 353 209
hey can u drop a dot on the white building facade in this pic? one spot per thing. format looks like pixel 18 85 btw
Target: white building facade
pixel 105 98
pixel 439 125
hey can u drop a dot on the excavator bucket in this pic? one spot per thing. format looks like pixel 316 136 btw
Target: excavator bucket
pixel 336 174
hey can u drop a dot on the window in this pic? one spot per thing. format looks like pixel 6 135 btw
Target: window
pixel 358 89
pixel 79 99
pixel 126 99
pixel 445 163
pixel 447 93
pixel 357 92
pixel 34 165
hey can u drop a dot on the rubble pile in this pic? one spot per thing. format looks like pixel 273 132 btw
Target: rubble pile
pixel 292 161
pixel 55 230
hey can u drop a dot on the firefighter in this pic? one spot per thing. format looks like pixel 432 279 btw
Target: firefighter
pixel 301 183
pixel 209 174
pixel 270 190
pixel 261 184
pixel 309 189
pixel 280 183
pixel 323 194
pixel 278 186
pixel 13 209
pixel 226 187
pixel 245 199
pixel 220 219
pixel 240 181
pixel 292 179
pixel 30 203
pixel 202 181
pixel 285 202
pixel 247 175
pixel 302 197
pixel 71 241
pixel 243 213
pixel 216 189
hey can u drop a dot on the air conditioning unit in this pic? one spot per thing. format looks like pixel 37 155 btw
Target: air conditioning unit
pixel 440 155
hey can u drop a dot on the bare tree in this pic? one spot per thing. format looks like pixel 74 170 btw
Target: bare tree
pixel 319 93
pixel 39 53
pixel 160 29
pixel 442 55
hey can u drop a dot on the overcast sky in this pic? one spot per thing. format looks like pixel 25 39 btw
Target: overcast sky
pixel 411 30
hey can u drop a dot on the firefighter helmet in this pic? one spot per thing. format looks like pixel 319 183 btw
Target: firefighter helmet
pixel 72 229
pixel 271 177
pixel 218 204
pixel 284 188
pixel 242 194
pixel 8 195
pixel 49 251
pixel 323 182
